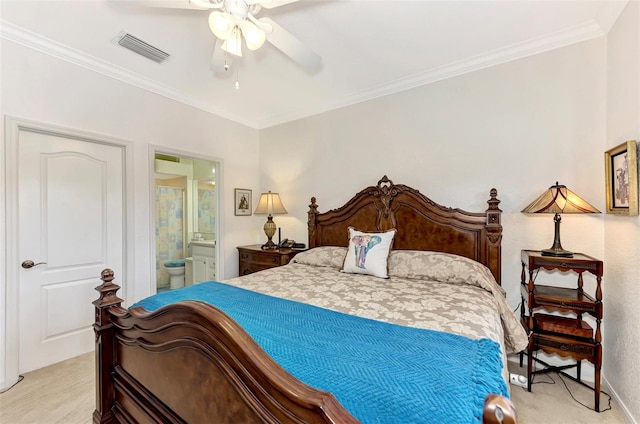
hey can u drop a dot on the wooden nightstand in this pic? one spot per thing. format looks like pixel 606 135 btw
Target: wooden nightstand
pixel 566 336
pixel 254 259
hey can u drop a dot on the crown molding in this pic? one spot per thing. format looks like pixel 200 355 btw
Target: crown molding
pixel 607 16
pixel 34 41
pixel 576 34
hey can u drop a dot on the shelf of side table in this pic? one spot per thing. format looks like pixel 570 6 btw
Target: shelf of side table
pixel 565 336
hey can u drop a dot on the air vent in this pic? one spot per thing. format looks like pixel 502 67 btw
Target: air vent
pixel 135 44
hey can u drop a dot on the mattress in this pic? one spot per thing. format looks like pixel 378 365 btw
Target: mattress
pixel 430 290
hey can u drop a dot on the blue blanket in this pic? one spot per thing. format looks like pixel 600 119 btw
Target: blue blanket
pixel 380 372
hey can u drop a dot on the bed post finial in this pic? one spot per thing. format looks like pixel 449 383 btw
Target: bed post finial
pixel 494 235
pixel 493 215
pixel 105 355
pixel 498 410
pixel 493 201
pixel 107 290
pixel 311 222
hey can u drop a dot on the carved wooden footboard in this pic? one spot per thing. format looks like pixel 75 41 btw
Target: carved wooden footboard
pixel 189 362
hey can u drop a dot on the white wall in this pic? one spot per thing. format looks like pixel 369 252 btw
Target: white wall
pixel 42 88
pixel 519 127
pixel 622 233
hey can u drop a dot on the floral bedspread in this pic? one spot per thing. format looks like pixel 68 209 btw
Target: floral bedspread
pixel 425 290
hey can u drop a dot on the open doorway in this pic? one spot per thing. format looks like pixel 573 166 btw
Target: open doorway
pixel 186 219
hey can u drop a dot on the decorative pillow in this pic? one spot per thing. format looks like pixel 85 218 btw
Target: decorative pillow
pixel 329 256
pixel 442 267
pixel 368 253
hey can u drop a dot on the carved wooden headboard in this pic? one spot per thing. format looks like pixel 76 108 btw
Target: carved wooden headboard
pixel 421 223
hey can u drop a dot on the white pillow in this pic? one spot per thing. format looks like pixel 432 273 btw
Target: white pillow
pixel 368 253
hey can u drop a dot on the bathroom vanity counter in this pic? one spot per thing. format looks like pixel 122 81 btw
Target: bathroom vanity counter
pixel 208 244
pixel 203 253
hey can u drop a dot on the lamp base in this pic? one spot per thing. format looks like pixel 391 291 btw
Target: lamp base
pixel 560 253
pixel 269 230
pixel 269 245
pixel 557 250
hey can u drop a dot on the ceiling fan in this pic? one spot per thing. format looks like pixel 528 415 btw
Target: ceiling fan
pixel 232 21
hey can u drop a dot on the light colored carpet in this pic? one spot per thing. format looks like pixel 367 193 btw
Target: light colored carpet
pixel 550 402
pixel 65 393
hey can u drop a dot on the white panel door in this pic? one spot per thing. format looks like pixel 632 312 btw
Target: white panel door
pixel 71 220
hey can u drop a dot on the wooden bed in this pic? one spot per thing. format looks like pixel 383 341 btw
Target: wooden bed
pixel 191 363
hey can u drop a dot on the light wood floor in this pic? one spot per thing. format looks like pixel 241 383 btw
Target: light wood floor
pixel 65 393
pixel 60 393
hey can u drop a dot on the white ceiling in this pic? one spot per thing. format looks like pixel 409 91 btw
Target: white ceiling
pixel 369 48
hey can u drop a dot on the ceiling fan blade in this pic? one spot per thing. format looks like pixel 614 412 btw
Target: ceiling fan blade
pixel 220 59
pixel 169 4
pixel 270 4
pixel 290 45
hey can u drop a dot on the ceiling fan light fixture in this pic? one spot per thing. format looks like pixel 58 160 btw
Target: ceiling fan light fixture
pixel 233 45
pixel 254 36
pixel 221 25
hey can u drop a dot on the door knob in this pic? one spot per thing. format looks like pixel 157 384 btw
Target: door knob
pixel 30 264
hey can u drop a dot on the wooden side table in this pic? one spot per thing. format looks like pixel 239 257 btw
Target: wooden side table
pixel 565 336
pixel 253 258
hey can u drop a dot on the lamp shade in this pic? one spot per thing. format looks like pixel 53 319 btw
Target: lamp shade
pixel 559 199
pixel 270 203
pixel 233 45
pixel 221 25
pixel 254 36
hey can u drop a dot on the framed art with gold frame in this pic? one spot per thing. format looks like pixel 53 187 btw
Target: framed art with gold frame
pixel 621 167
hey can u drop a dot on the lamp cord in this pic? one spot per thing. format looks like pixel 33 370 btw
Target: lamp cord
pixel 569 390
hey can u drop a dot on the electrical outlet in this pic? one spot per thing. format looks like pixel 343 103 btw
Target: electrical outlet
pixel 518 380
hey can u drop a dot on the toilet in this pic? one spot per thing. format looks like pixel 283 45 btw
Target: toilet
pixel 175 269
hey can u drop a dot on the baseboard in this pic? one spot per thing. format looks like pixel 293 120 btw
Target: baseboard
pixel 7 384
pixel 614 395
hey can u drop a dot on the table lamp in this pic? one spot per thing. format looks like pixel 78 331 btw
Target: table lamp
pixel 270 203
pixel 559 199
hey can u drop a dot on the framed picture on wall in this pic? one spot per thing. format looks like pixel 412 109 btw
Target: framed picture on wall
pixel 242 202
pixel 621 167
